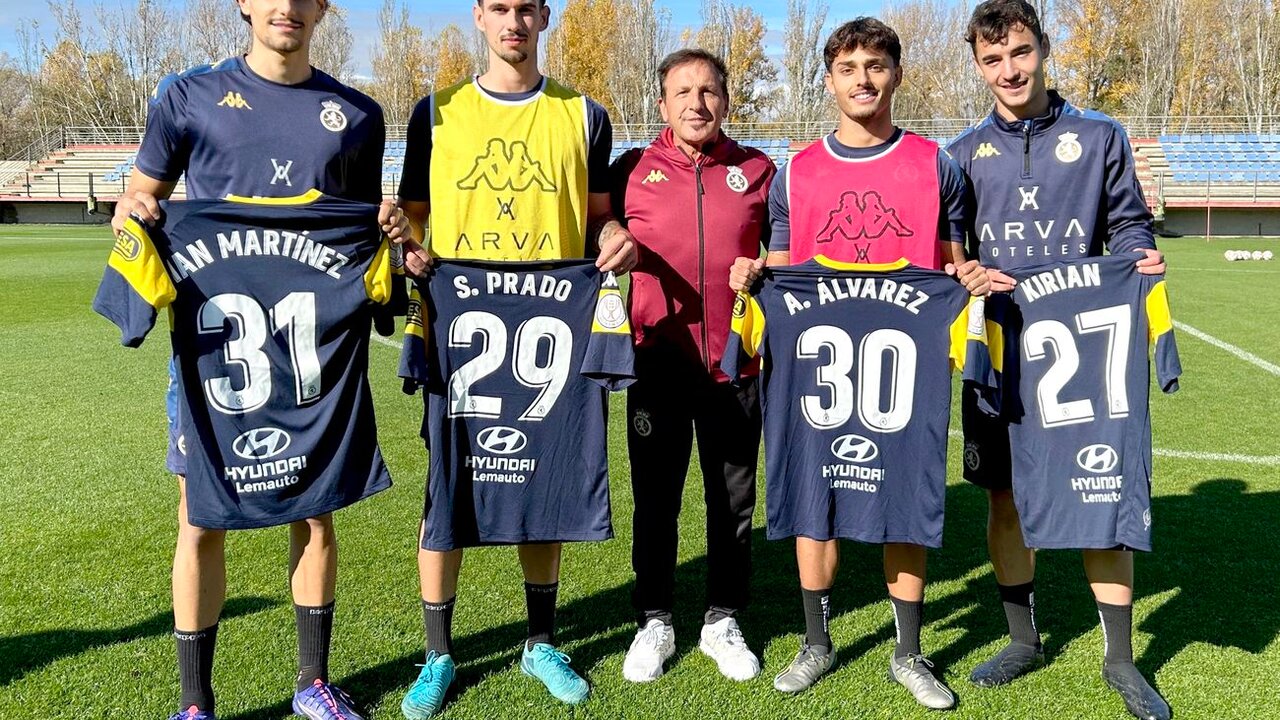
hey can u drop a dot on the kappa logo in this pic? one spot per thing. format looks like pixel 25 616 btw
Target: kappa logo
pixel 507 168
pixel 127 246
pixel 502 440
pixel 862 216
pixel 261 443
pixel 985 150
pixel 235 100
pixel 855 448
pixel 654 176
pixel 1098 459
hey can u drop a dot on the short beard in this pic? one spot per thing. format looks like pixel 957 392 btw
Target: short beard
pixel 513 57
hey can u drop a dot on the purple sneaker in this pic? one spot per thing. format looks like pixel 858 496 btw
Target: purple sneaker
pixel 193 713
pixel 323 701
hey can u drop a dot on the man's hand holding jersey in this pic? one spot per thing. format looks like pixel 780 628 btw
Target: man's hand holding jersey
pixel 618 250
pixel 1152 262
pixel 975 278
pixel 141 205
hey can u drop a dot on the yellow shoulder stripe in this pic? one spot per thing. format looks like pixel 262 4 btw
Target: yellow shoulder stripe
pixel 134 256
pixel 1159 318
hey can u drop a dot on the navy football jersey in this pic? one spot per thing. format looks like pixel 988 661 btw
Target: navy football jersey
pixel 270 304
pixel 1075 392
pixel 856 374
pixel 235 133
pixel 516 359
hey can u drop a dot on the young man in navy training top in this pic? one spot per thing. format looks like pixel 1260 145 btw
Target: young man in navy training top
pixel 263 124
pixel 1049 182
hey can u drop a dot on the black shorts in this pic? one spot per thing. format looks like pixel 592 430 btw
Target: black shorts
pixel 987 457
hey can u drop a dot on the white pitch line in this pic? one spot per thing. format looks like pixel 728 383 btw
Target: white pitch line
pixel 383 341
pixel 1242 354
pixel 1218 457
pixel 1195 455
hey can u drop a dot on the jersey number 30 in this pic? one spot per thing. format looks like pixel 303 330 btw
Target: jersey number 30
pixel 878 348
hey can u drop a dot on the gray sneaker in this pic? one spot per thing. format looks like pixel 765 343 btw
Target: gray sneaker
pixel 913 673
pixel 804 670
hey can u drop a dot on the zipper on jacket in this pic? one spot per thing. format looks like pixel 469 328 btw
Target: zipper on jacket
pixel 702 262
pixel 1026 148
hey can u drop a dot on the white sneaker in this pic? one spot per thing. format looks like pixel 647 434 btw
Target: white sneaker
pixel 652 646
pixel 722 641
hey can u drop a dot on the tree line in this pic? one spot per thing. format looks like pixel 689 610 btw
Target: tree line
pixel 99 61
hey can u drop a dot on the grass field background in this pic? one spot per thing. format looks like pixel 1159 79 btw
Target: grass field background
pixel 87 528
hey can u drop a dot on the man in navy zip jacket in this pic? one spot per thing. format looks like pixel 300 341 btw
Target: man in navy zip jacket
pixel 694 200
pixel 1049 182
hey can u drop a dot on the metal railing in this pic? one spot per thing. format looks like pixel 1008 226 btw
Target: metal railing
pixel 88 135
pixel 938 128
pixel 1253 189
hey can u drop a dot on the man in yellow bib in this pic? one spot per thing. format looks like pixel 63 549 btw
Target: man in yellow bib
pixel 509 165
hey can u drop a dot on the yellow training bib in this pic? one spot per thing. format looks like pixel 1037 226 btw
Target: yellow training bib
pixel 508 178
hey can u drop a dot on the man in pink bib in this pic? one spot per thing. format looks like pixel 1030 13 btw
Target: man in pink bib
pixel 869 193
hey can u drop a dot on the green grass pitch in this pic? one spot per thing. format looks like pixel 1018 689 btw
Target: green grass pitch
pixel 87 529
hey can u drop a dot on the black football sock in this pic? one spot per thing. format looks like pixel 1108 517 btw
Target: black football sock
pixel 315 635
pixel 907 617
pixel 817 614
pixel 1020 610
pixel 1117 632
pixel 195 666
pixel 715 614
pixel 540 600
pixel 437 626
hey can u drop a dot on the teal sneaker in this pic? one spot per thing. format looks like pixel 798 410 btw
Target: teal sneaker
pixel 551 666
pixel 426 696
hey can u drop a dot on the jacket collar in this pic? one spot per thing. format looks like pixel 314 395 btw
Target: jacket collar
pixel 1057 108
pixel 718 152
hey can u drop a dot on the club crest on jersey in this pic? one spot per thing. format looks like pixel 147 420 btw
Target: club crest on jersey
pixel 234 100
pixel 504 167
pixel 611 312
pixel 331 117
pixel 1146 518
pixel 128 246
pixel 640 421
pixel 855 449
pixel 862 215
pixel 1097 459
pixel 736 179
pixel 739 307
pixel 261 443
pixel 985 150
pixel 502 440
pixel 1068 150
pixel 972 459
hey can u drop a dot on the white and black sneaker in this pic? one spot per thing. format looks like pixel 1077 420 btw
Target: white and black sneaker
pixel 653 645
pixel 722 641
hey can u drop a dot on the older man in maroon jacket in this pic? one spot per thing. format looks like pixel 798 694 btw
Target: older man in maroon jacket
pixel 694 200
